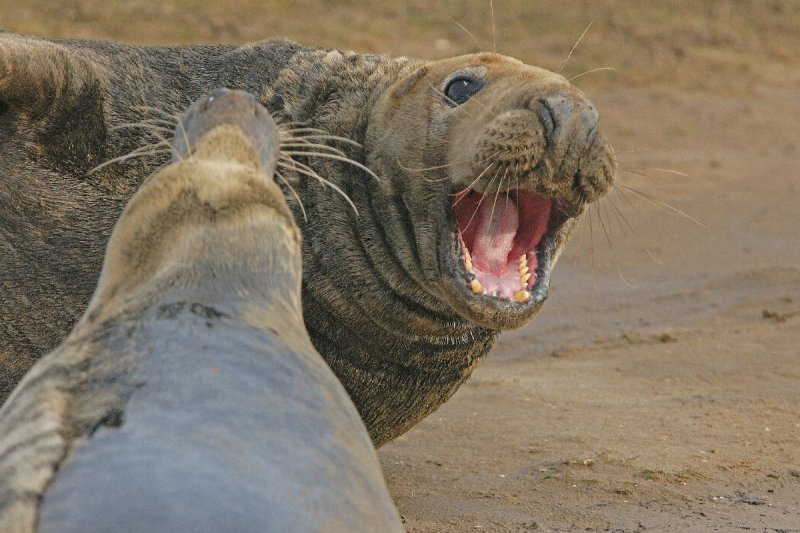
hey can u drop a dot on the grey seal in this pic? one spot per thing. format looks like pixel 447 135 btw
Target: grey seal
pixel 189 396
pixel 467 176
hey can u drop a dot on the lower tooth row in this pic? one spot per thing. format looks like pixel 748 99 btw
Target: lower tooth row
pixel 524 273
pixel 520 296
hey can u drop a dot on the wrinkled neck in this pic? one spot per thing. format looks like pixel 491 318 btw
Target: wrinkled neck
pixel 243 269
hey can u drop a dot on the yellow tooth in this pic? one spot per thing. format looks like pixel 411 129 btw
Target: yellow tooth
pixel 524 272
pixel 523 266
pixel 468 261
pixel 476 286
pixel 521 296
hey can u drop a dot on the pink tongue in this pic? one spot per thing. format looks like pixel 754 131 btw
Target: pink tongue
pixel 494 235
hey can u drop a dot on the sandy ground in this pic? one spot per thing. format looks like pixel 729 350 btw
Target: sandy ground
pixel 659 390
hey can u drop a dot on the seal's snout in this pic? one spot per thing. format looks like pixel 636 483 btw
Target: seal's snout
pixel 564 116
pixel 551 145
pixel 580 160
pixel 228 107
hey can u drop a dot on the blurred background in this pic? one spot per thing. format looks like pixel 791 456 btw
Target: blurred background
pixel 660 387
pixel 692 43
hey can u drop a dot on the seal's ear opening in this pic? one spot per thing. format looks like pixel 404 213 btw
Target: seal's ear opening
pixel 408 84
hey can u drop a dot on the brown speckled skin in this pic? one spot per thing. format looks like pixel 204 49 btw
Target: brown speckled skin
pixel 399 330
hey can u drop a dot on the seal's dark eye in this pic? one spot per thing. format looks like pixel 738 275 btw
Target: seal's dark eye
pixel 460 90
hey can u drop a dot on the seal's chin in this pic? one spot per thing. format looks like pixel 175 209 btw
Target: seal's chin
pixel 506 244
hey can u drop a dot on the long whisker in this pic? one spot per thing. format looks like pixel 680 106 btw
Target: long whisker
pixel 435 180
pixel 591 247
pixel 478 44
pixel 476 100
pixel 494 32
pixel 589 72
pixel 439 167
pixel 335 157
pixel 508 191
pixel 564 63
pixel 603 226
pixel 158 144
pixel 305 130
pixel 658 169
pixel 662 205
pixel 180 127
pixel 496 194
pixel 159 111
pixel 620 217
pixel 426 169
pixel 623 194
pixel 168 142
pixel 607 231
pixel 169 122
pixel 314 146
pixel 469 187
pixel 308 171
pixel 139 152
pixel 294 193
pixel 143 125
pixel 327 137
pixel 483 197
pixel 293 123
pixel 578 248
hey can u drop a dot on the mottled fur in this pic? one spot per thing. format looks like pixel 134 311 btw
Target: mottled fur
pixel 398 330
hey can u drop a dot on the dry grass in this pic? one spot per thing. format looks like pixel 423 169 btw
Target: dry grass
pixel 690 43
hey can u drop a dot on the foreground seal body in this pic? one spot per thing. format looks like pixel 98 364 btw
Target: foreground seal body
pixel 480 168
pixel 189 396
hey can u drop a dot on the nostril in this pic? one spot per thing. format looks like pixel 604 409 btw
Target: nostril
pixel 546 117
pixel 555 111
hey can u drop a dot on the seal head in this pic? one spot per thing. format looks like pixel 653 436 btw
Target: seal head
pixel 495 161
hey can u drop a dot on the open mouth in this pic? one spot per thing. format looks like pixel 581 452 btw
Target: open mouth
pixel 503 238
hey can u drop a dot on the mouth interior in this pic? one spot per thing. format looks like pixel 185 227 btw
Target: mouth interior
pixel 499 234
